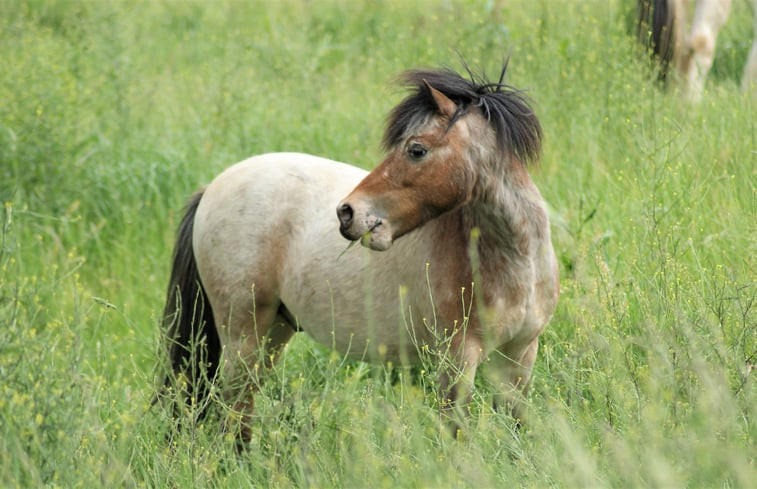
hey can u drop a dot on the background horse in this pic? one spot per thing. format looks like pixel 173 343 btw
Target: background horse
pixel 663 25
pixel 474 275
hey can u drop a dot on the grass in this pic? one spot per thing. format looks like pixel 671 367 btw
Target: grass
pixel 112 113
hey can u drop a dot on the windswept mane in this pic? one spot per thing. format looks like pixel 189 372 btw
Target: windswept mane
pixel 507 109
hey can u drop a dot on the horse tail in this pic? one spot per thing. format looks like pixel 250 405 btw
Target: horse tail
pixel 193 345
pixel 656 29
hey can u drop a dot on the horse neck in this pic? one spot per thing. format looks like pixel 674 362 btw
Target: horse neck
pixel 511 219
pixel 507 221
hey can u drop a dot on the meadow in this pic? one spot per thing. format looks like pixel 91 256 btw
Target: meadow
pixel 113 113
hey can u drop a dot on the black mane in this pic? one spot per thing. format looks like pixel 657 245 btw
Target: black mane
pixel 507 109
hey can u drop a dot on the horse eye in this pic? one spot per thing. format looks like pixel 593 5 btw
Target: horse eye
pixel 416 151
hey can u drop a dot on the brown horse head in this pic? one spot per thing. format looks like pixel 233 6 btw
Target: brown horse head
pixel 440 140
pixel 422 177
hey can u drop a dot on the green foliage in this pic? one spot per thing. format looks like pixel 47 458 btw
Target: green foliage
pixel 113 113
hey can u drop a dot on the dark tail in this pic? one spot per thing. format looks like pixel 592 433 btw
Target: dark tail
pixel 192 344
pixel 656 30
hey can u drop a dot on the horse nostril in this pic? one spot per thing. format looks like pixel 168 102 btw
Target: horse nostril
pixel 345 213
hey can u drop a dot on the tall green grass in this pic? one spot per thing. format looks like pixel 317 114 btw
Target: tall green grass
pixel 112 113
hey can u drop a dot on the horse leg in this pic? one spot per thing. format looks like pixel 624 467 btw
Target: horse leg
pixel 749 80
pixel 456 380
pixel 709 18
pixel 509 373
pixel 252 341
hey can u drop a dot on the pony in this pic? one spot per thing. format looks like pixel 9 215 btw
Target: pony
pixel 456 254
pixel 692 51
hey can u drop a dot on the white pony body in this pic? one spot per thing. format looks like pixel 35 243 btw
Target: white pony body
pixel 284 203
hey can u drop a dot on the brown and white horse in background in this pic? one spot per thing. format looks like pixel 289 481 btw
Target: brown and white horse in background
pixel 691 51
pixel 465 266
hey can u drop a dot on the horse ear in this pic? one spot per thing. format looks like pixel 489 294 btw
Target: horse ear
pixel 446 106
